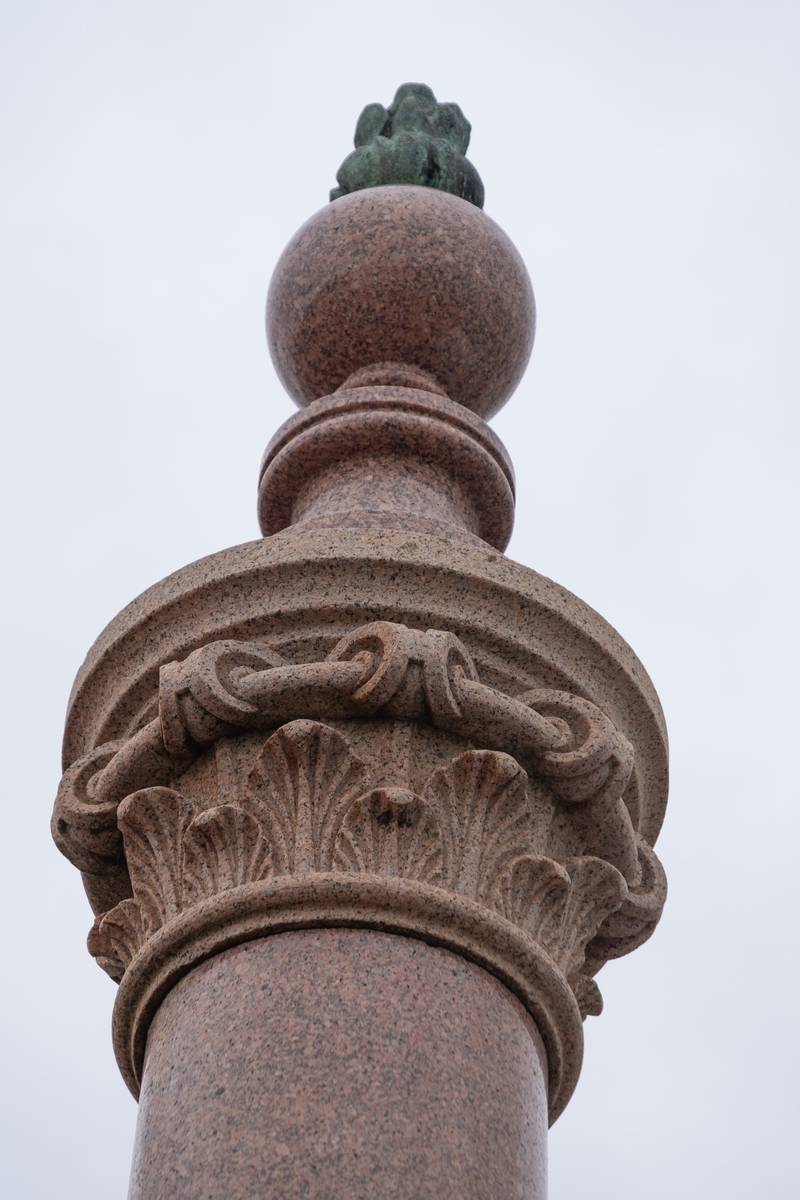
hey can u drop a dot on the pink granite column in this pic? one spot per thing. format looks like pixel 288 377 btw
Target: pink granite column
pixel 341 1063
pixel 363 807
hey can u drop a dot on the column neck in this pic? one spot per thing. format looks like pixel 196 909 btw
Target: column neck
pixel 389 450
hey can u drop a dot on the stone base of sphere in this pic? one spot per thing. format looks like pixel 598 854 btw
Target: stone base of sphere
pixel 383 453
pixel 341 1063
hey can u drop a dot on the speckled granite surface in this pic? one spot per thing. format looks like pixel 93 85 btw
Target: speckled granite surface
pixel 303 590
pixel 386 451
pixel 363 807
pixel 406 275
pixel 341 1063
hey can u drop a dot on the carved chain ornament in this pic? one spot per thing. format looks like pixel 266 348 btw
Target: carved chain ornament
pixel 518 851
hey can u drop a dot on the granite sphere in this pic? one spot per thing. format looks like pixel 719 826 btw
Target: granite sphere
pixel 405 275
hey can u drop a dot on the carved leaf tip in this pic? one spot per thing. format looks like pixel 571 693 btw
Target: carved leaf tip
pixel 587 994
pixel 481 803
pixel 153 822
pixel 304 780
pixel 391 831
pixel 224 847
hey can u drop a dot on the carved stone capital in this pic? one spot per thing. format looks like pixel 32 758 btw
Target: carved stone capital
pixel 397 792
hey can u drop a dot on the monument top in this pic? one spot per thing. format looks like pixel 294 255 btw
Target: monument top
pixel 416 140
pixel 403 271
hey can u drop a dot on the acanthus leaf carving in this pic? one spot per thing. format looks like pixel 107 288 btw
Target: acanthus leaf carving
pixel 531 891
pixel 304 810
pixel 379 668
pixel 562 907
pixel 391 831
pixel 305 778
pixel 224 847
pixel 480 800
pixel 153 822
pixel 556 855
pixel 123 933
pixel 176 859
pixel 596 890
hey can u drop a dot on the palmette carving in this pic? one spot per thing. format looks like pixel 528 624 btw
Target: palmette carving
pixel 391 832
pixel 153 822
pixel 223 848
pixel 307 810
pixel 116 938
pixel 531 892
pixel 305 779
pixel 481 801
pixel 596 890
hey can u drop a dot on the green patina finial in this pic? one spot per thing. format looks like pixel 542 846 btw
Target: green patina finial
pixel 416 140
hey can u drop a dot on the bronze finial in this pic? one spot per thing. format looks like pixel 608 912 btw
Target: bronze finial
pixel 415 140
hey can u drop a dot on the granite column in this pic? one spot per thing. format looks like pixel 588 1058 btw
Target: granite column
pixel 363 807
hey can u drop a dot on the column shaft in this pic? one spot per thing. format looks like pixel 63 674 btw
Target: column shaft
pixel 341 1063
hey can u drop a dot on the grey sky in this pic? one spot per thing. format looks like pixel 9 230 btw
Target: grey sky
pixel 643 157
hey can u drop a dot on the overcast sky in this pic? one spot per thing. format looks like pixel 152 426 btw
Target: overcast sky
pixel 643 156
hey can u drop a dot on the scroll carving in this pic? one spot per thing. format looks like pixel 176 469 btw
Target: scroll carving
pixel 380 669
